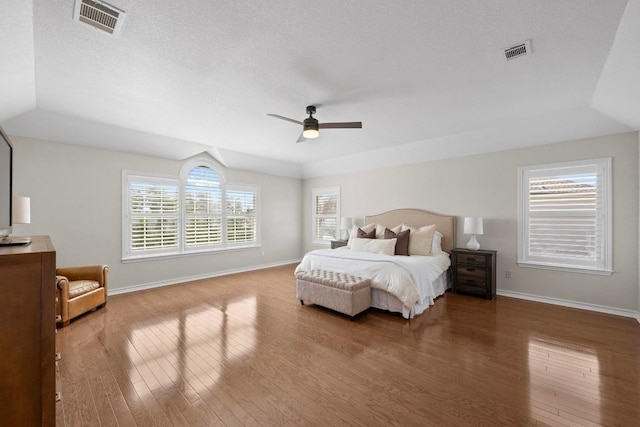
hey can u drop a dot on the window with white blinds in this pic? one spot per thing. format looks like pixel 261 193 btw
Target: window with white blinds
pixel 564 216
pixel 199 212
pixel 241 214
pixel 152 215
pixel 203 208
pixel 326 214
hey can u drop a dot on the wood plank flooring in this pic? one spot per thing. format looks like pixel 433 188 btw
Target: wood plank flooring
pixel 240 350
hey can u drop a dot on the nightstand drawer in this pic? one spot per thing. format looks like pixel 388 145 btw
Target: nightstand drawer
pixel 475 290
pixel 470 282
pixel 471 259
pixel 472 276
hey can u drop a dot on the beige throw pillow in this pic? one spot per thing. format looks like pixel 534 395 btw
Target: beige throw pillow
pixel 421 239
pixel 376 246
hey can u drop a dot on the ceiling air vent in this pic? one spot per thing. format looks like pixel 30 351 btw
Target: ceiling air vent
pixel 99 15
pixel 517 50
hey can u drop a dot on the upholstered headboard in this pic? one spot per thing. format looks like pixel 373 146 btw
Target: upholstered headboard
pixel 417 218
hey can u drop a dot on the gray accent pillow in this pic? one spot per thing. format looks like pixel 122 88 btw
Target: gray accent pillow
pixel 402 244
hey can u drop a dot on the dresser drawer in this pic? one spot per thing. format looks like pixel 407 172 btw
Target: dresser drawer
pixel 471 259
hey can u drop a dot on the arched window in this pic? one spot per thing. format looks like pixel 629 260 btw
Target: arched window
pixel 200 211
pixel 202 208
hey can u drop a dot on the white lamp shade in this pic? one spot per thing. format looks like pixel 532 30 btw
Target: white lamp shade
pixel 346 223
pixel 473 225
pixel 21 210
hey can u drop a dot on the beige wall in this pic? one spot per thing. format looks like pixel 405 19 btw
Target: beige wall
pixel 486 186
pixel 76 198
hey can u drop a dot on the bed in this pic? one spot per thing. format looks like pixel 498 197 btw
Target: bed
pixel 401 284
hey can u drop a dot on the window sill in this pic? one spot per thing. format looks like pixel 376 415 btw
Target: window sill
pixel 565 269
pixel 154 257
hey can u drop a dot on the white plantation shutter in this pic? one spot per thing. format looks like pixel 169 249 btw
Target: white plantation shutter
pixel 241 214
pixel 198 212
pixel 326 214
pixel 203 208
pixel 564 219
pixel 152 215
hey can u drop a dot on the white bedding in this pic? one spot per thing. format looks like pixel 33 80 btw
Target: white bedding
pixel 414 280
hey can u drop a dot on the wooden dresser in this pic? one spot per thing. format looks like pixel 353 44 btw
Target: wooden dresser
pixel 474 272
pixel 27 334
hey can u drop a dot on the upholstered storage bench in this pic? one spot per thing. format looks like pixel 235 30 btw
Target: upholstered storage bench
pixel 341 292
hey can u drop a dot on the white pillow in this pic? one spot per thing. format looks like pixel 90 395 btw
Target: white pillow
pixel 384 246
pixel 421 239
pixel 436 245
pixel 354 232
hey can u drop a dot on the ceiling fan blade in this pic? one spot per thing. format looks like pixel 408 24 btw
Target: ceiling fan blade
pixel 285 118
pixel 343 125
pixel 301 138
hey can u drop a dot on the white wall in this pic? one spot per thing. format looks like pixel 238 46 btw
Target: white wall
pixel 486 185
pixel 76 198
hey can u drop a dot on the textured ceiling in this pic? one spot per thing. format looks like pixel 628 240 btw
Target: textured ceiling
pixel 426 78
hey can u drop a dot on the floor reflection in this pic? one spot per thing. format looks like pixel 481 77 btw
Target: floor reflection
pixel 193 350
pixel 564 382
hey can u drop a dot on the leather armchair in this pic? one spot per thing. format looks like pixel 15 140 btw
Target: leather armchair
pixel 80 289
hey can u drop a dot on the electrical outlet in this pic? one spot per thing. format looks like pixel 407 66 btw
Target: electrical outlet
pixel 507 274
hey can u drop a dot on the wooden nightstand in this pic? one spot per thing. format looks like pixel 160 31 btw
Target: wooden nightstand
pixel 338 243
pixel 474 272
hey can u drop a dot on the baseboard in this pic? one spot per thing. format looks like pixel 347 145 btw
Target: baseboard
pixel 175 281
pixel 573 304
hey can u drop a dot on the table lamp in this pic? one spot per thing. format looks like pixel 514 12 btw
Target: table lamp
pixel 345 224
pixel 473 226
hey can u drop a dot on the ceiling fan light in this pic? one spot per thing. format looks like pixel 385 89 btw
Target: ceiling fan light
pixel 310 133
pixel 310 128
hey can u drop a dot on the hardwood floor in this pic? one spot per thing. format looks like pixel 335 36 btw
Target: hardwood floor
pixel 241 350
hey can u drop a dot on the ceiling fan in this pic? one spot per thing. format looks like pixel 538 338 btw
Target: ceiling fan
pixel 311 126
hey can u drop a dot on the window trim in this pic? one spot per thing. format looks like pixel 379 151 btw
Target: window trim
pixel 605 175
pixel 319 191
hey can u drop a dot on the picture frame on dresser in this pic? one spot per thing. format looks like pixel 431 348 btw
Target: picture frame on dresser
pixel 474 272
